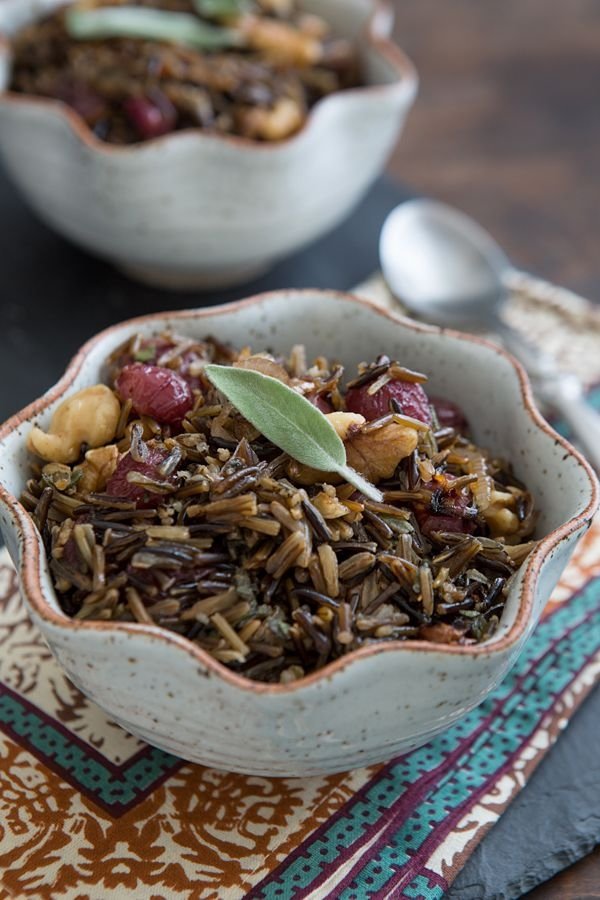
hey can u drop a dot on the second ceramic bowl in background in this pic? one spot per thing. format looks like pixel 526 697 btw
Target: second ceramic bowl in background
pixel 191 209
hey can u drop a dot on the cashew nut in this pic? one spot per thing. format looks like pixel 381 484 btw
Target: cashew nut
pixel 88 417
pixel 279 41
pixel 284 119
pixel 376 454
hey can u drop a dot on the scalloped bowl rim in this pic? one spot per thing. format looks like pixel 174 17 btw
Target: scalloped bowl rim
pixel 29 568
pixel 406 84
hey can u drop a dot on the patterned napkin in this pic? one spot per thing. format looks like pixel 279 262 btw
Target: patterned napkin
pixel 87 811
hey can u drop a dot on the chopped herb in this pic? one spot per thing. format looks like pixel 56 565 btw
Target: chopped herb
pixel 145 354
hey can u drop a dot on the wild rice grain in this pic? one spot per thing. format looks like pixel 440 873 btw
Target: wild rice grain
pixel 271 650
pixel 226 510
pixel 286 555
pixel 426 584
pixel 249 630
pixel 123 419
pixel 293 673
pixel 344 634
pixel 405 548
pixel 358 564
pixel 262 525
pixel 410 422
pixel 390 591
pixel 315 597
pixel 236 613
pixel 283 515
pixel 40 512
pixel 85 541
pixel 384 631
pixel 316 520
pixel 164 608
pixel 330 569
pixel 401 373
pixel 166 532
pixel 228 656
pixel 209 605
pixel 137 447
pixel 169 465
pixel 370 374
pixel 226 631
pixel 137 607
pixel 316 574
pixel 150 484
pixel 98 567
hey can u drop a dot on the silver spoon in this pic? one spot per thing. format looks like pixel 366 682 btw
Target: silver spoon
pixel 449 271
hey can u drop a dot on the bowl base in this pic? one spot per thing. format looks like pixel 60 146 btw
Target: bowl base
pixel 205 279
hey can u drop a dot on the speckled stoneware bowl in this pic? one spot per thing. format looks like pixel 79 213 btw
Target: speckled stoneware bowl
pixel 191 209
pixel 378 701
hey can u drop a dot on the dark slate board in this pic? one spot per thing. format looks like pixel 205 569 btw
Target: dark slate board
pixel 552 823
pixel 53 297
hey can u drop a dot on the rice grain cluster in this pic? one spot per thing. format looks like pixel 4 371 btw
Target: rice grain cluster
pixel 196 523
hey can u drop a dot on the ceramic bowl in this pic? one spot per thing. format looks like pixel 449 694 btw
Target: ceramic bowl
pixel 376 702
pixel 194 210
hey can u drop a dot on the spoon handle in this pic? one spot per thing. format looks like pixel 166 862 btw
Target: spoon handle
pixel 561 391
pixel 565 395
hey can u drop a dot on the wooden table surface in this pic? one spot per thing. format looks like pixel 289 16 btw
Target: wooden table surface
pixel 507 124
pixel 507 127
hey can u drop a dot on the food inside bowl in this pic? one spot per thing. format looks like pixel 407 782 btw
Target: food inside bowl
pixel 141 69
pixel 160 503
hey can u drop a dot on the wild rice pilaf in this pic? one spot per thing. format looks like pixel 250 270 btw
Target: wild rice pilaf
pixel 260 69
pixel 182 515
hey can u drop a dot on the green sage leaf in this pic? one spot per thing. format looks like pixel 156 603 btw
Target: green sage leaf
pixel 148 24
pixel 289 421
pixel 221 9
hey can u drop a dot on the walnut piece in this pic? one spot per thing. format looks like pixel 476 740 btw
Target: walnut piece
pixel 376 454
pixel 499 514
pixel 98 467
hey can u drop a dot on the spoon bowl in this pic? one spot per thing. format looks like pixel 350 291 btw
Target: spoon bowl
pixel 442 265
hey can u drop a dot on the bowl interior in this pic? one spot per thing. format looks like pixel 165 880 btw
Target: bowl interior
pixel 481 380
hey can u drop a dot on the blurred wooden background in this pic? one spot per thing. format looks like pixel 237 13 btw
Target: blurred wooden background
pixel 507 124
